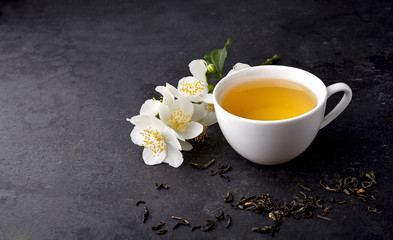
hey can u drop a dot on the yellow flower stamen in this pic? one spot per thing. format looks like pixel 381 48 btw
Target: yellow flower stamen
pixel 161 99
pixel 153 140
pixel 201 137
pixel 209 107
pixel 179 121
pixel 191 88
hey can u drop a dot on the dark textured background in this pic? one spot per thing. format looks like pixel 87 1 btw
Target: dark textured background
pixel 71 72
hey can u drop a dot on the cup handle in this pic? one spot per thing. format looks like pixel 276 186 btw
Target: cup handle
pixel 332 89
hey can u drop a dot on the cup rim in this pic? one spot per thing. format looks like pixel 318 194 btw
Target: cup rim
pixel 316 108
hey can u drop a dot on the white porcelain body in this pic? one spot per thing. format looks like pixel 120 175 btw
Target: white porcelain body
pixel 276 142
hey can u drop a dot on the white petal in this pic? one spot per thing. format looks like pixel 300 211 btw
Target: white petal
pixel 136 136
pixel 173 91
pixel 198 69
pixel 158 124
pixel 238 66
pixel 142 121
pixel 160 89
pixel 167 96
pixel 199 112
pixel 170 137
pixel 150 107
pixel 207 98
pixel 185 146
pixel 174 157
pixel 150 159
pixel 165 113
pixel 193 130
pixel 210 119
pixel 184 105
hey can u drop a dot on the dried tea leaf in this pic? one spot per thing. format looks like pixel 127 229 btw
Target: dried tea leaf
pixel 161 231
pixel 328 209
pixel 225 177
pixel 145 214
pixel 157 227
pixel 225 170
pixel 324 218
pixel 275 215
pixel 363 199
pixel 213 172
pixel 221 166
pixel 350 182
pixel 366 184
pixel 304 187
pixel 371 176
pixel 346 192
pixel 181 219
pixel 220 217
pixel 209 225
pixel 268 229
pixel 360 191
pixel 196 227
pixel 140 202
pixel 229 221
pixel 161 186
pixel 228 198
pixel 319 203
pixel 373 210
pixel 204 166
pixel 339 188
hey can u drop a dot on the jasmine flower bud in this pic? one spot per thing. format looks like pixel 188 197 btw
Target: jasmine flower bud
pixel 211 68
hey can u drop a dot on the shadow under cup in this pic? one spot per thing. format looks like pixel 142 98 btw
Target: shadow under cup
pixel 277 141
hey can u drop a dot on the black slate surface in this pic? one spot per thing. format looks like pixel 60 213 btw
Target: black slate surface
pixel 72 71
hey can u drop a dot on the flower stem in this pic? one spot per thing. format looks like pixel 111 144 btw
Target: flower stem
pixel 272 60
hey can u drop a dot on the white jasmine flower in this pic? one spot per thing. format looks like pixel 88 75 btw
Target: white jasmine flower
pixel 178 117
pixel 237 67
pixel 159 141
pixel 151 106
pixel 194 88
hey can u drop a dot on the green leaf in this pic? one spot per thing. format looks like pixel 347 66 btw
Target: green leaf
pixel 217 58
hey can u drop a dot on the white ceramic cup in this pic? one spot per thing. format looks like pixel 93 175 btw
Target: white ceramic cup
pixel 276 142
